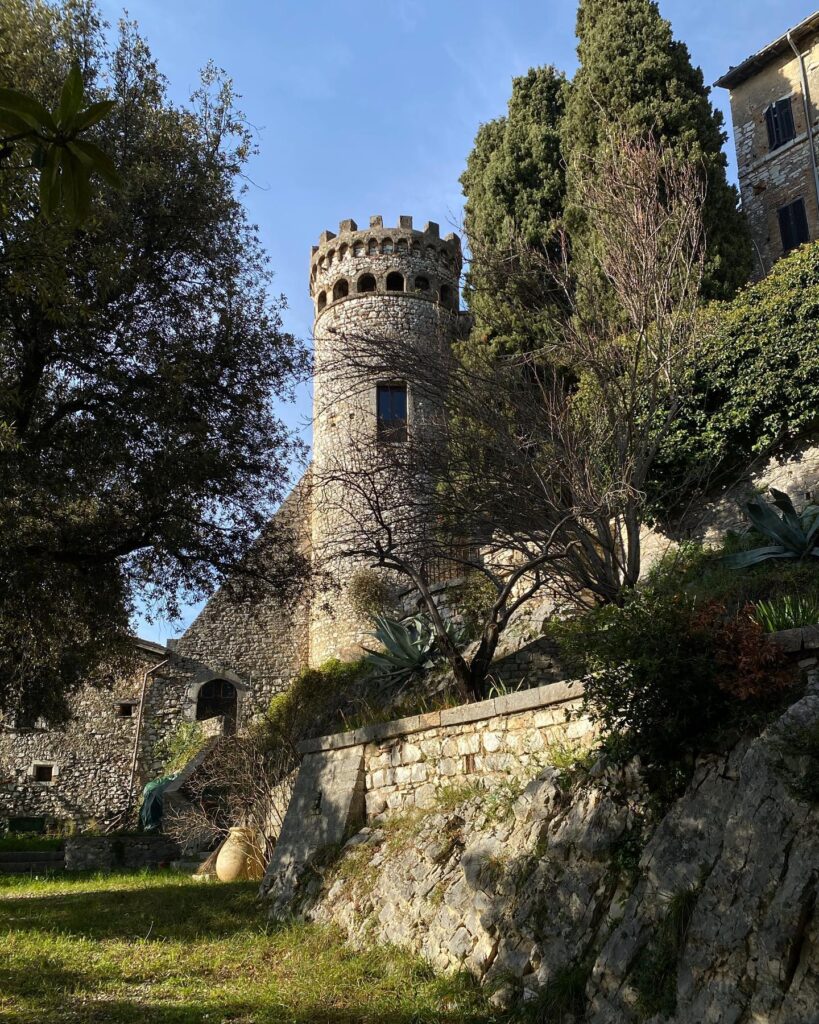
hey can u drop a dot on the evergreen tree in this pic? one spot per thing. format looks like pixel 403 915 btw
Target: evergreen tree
pixel 514 185
pixel 633 72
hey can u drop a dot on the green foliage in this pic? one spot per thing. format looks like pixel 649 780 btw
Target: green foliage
pixel 176 749
pixel 790 535
pixel 141 360
pixel 787 612
pixel 407 646
pixel 634 73
pixel 755 383
pixel 574 761
pixel 369 594
pixel 66 159
pixel 667 673
pixel 204 953
pixel 514 184
pixel 12 842
pixel 315 702
pixel 654 974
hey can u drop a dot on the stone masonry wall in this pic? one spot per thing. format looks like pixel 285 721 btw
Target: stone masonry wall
pixel 90 757
pixel 420 316
pixel 408 762
pixel 770 179
pixel 265 641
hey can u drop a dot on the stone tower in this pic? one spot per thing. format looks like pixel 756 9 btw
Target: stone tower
pixel 394 283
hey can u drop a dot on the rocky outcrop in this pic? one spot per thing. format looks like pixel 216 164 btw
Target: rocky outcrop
pixel 571 892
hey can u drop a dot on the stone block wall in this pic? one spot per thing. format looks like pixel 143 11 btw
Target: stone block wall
pixel 105 853
pixel 769 179
pixel 407 763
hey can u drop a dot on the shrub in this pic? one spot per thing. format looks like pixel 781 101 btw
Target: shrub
pixel 476 596
pixel 665 674
pixel 787 611
pixel 369 594
pixel 315 701
pixel 176 749
pixel 755 385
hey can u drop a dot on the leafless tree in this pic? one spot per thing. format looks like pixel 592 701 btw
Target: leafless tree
pixel 245 781
pixel 530 471
pixel 623 344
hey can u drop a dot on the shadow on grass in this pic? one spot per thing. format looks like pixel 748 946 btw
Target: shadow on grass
pixel 157 912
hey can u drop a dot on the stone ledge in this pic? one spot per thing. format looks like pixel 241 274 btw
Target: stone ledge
pixel 523 700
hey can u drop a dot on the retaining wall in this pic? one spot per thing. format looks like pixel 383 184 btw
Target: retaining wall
pixel 408 761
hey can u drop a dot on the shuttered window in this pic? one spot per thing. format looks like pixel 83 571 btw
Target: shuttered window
pixel 793 225
pixel 779 119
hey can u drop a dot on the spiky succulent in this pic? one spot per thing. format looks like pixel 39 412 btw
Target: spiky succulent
pixel 792 534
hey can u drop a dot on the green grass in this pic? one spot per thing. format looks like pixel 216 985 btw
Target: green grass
pixel 161 949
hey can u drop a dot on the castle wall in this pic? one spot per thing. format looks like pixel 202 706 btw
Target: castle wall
pixel 264 640
pixel 416 314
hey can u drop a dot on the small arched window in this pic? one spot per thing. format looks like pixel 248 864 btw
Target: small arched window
pixel 445 294
pixel 342 252
pixel 372 247
pixel 422 284
pixel 401 245
pixel 395 282
pixel 416 249
pixel 322 301
pixel 387 246
pixel 341 289
pixel 330 256
pixel 358 249
pixel 366 283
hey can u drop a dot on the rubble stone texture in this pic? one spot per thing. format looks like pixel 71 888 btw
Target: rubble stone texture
pixel 565 880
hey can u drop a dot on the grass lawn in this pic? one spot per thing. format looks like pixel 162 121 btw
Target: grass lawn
pixel 161 949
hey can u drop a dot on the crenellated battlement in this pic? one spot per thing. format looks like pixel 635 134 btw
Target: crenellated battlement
pixel 386 260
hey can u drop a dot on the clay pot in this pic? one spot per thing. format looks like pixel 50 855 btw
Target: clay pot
pixel 240 858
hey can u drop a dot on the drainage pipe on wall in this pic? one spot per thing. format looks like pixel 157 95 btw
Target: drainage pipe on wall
pixel 138 735
pixel 808 115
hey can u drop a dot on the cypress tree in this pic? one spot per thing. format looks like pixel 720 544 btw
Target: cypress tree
pixel 634 73
pixel 514 184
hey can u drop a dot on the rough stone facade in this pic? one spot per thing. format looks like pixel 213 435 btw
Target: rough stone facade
pixel 89 761
pixel 129 852
pixel 578 894
pixel 396 284
pixel 771 178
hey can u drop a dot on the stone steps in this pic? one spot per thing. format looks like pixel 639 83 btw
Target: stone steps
pixel 31 862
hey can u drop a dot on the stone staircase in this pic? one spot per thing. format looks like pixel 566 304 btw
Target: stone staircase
pixel 31 862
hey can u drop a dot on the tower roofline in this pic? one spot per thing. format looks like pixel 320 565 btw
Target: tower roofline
pixel 349 231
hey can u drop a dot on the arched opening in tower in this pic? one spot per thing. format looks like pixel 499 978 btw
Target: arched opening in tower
pixel 395 282
pixel 217 698
pixel 322 300
pixel 445 294
pixel 340 289
pixel 422 284
pixel 366 283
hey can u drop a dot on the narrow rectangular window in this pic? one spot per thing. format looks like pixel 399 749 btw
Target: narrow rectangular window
pixel 779 120
pixel 391 410
pixel 125 710
pixel 43 772
pixel 793 225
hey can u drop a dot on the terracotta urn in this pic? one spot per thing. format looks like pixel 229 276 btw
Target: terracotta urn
pixel 240 858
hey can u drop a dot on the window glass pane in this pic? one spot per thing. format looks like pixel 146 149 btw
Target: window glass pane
pixel 391 404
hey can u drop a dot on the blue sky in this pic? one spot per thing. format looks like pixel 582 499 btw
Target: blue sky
pixel 373 107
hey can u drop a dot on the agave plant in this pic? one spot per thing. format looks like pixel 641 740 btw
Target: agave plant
pixel 792 534
pixel 408 646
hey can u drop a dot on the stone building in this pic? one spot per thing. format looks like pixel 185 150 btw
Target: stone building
pixel 775 130
pixel 397 283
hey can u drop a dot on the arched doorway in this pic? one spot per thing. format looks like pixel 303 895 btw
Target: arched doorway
pixel 218 698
